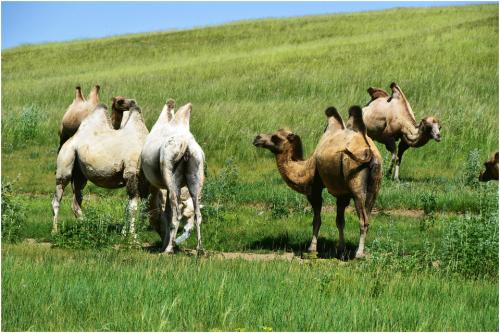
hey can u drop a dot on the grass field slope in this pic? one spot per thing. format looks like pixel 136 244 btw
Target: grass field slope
pixel 433 241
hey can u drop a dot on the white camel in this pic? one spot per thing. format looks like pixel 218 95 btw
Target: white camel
pixel 107 157
pixel 170 159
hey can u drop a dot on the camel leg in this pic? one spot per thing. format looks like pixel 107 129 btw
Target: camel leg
pixel 316 202
pixel 171 220
pixel 359 201
pixel 342 203
pixel 391 147
pixel 194 181
pixel 65 163
pixel 78 183
pixel 133 201
pixel 56 201
pixel 403 146
pixel 155 205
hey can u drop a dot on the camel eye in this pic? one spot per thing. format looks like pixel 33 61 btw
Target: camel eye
pixel 275 139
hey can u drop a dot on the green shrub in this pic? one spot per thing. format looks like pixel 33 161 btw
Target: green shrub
pixel 95 229
pixel 13 216
pixel 471 169
pixel 470 245
pixel 20 129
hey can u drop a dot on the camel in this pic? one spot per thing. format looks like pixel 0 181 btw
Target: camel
pixel 108 158
pixel 390 118
pixel 345 161
pixel 170 159
pixel 82 108
pixel 491 169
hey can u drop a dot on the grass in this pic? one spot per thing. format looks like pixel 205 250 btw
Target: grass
pixel 433 244
pixel 152 293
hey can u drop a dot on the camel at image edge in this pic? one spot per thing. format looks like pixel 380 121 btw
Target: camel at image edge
pixel 490 171
pixel 345 161
pixel 390 119
pixel 172 160
pixel 107 157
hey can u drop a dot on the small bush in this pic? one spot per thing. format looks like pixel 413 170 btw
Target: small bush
pixel 472 168
pixel 470 245
pixel 13 216
pixel 95 229
pixel 19 129
pixel 223 187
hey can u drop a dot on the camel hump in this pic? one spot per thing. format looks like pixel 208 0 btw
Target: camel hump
pixel 375 93
pixel 170 104
pixel 78 94
pixel 396 91
pixel 94 94
pixel 183 115
pixel 335 121
pixel 355 121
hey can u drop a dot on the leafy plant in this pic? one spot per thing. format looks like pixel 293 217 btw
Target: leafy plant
pixel 13 216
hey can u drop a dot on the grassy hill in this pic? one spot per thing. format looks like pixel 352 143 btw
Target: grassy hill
pixel 435 236
pixel 251 77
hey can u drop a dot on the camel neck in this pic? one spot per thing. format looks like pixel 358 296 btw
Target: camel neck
pixel 298 174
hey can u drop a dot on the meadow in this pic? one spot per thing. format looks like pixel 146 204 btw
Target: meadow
pixel 433 238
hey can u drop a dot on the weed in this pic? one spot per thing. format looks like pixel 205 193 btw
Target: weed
pixel 95 229
pixel 472 167
pixel 13 214
pixel 20 129
pixel 470 245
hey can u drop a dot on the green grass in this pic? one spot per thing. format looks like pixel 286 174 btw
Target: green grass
pixel 122 291
pixel 431 272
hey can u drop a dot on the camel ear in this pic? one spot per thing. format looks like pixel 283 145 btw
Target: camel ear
pixel 355 121
pixel 78 94
pixel 291 137
pixel 94 94
pixel 335 121
pixel 496 157
pixel 377 93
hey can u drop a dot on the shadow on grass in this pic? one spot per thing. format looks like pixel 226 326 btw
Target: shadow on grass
pixel 327 248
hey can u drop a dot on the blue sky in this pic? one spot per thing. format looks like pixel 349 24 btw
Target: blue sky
pixel 40 22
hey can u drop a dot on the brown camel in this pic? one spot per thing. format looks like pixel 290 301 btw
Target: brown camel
pixel 346 162
pixel 390 118
pixel 81 108
pixel 491 171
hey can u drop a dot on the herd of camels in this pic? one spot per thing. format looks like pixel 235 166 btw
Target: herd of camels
pixel 166 165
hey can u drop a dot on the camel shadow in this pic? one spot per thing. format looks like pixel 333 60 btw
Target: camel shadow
pixel 327 248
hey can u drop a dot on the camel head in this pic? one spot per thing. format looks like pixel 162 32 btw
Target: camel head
pixel 281 141
pixel 431 127
pixel 120 105
pixel 491 169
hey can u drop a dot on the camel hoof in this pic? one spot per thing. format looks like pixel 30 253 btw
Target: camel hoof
pixel 167 253
pixel 310 255
pixel 360 255
pixel 201 252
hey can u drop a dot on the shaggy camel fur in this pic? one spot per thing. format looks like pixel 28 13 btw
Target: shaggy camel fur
pixel 109 158
pixel 491 169
pixel 389 119
pixel 345 161
pixel 171 158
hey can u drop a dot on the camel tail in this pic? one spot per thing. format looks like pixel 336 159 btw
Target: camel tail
pixel 373 183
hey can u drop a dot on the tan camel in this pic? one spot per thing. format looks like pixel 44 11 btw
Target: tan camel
pixel 108 158
pixel 81 108
pixel 345 161
pixel 491 169
pixel 171 159
pixel 390 118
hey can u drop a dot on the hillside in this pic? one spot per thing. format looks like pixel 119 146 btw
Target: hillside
pixel 257 76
